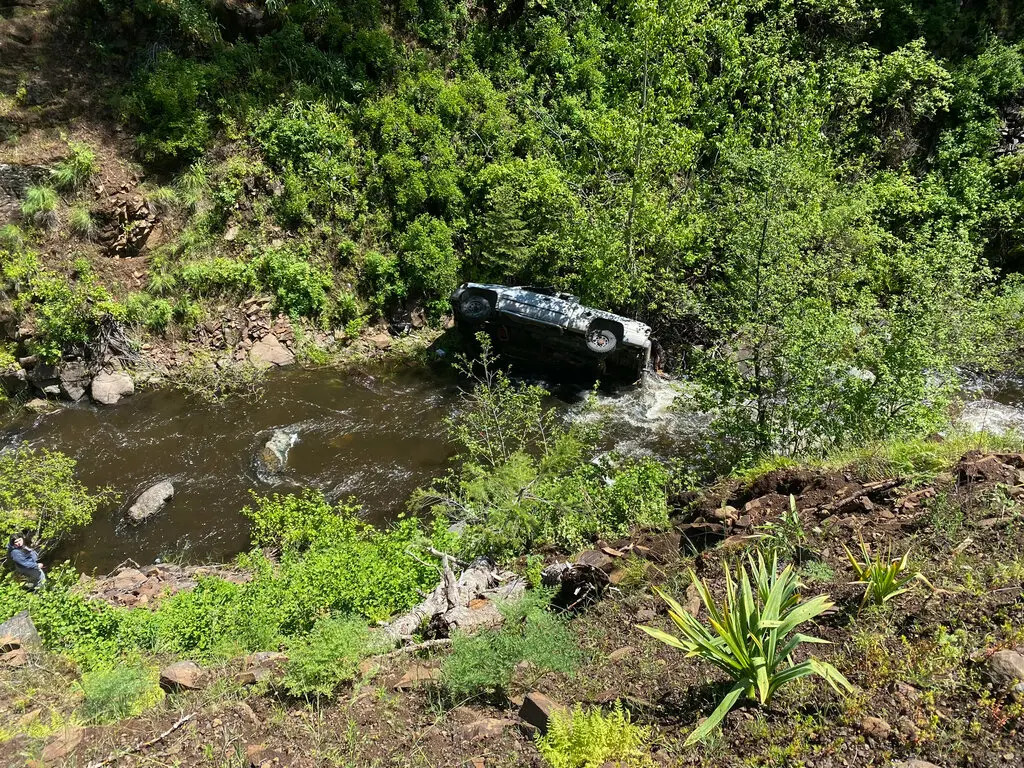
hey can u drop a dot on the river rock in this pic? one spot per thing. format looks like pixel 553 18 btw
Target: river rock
pixel 1006 668
pixel 182 675
pixel 151 501
pixel 20 627
pixel 269 351
pixel 74 380
pixel 108 388
pixel 274 456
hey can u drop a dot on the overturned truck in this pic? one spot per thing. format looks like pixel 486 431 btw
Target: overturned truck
pixel 545 326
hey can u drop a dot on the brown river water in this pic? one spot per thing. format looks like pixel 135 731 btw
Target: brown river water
pixel 372 436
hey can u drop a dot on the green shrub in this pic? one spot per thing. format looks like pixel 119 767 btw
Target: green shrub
pixel 117 693
pixel 382 281
pixel 162 200
pixel 81 223
pixel 40 207
pixel 217 276
pixel 429 261
pixel 591 739
pixel 750 636
pixel 11 237
pixel 153 314
pixel 40 494
pixel 483 664
pixel 74 171
pixel 299 287
pixel 327 656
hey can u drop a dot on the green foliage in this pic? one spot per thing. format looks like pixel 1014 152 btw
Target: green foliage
pixel 81 223
pixel 429 261
pixel 526 478
pixel 214 382
pixel 882 576
pixel 590 739
pixel 74 171
pixel 40 206
pixel 299 287
pixel 483 663
pixel 118 693
pixel 11 237
pixel 785 535
pixel 40 495
pixel 326 657
pixel 752 635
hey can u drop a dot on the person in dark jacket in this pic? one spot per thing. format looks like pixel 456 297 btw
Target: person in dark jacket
pixel 25 562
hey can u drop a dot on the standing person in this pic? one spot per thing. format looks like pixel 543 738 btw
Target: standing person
pixel 25 561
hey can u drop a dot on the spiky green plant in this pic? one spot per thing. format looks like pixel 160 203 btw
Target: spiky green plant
pixel 883 576
pixel 162 200
pixel 40 206
pixel 752 635
pixel 76 169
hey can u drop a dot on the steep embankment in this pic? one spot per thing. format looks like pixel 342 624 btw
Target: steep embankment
pixel 933 669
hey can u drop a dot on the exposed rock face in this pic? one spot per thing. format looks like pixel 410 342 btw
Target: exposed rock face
pixel 128 225
pixel 21 629
pixel 109 387
pixel 270 351
pixel 74 380
pixel 151 501
pixel 15 179
pixel 131 586
pixel 182 676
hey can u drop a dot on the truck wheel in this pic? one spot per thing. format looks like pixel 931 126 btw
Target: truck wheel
pixel 475 307
pixel 601 340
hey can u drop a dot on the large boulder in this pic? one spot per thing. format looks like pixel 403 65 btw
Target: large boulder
pixel 273 457
pixel 74 379
pixel 21 629
pixel 109 387
pixel 269 351
pixel 182 676
pixel 151 501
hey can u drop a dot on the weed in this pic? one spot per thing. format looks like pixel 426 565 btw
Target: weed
pixel 326 657
pixel 785 535
pixel 749 637
pixel 590 739
pixel 163 200
pixel 76 169
pixel 11 237
pixel 817 572
pixel 216 381
pixel 118 692
pixel 81 223
pixel 40 207
pixel 483 663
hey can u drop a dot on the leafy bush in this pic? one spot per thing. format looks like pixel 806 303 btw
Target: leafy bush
pixel 590 739
pixel 482 664
pixel 299 287
pixel 119 692
pixel 40 207
pixel 39 494
pixel 527 478
pixel 429 261
pixel 327 656
pixel 751 635
pixel 75 170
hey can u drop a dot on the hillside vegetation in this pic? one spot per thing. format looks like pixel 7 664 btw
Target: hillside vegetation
pixel 816 204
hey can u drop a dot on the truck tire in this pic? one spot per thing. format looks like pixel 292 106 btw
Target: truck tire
pixel 476 307
pixel 601 341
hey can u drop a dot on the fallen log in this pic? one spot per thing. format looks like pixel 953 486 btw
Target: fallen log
pixel 466 602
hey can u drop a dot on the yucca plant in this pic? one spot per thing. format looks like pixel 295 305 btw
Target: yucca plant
pixel 752 635
pixel 883 576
